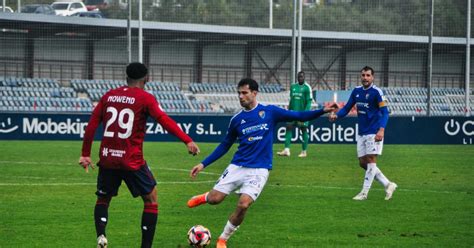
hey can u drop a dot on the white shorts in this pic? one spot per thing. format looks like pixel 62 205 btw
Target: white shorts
pixel 366 145
pixel 245 180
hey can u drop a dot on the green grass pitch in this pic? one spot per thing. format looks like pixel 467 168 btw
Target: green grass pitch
pixel 47 200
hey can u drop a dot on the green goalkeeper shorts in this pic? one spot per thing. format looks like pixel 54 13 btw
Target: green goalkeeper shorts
pixel 298 123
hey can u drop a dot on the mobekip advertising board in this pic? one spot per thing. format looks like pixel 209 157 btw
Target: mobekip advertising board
pixel 205 128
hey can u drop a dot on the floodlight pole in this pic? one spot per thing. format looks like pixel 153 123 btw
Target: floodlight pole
pixel 430 59
pixel 140 31
pixel 293 46
pixel 468 59
pixel 270 14
pixel 300 27
pixel 129 32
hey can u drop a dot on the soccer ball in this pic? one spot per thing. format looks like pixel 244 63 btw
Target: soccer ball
pixel 199 236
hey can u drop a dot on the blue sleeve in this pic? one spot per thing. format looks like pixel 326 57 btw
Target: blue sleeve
pixel 347 108
pixel 222 148
pixel 289 115
pixel 382 104
pixel 384 118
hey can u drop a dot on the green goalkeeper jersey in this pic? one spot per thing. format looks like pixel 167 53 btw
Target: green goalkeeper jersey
pixel 300 97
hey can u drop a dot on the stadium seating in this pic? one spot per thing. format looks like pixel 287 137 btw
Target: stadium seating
pixel 413 101
pixel 82 85
pixel 173 100
pixel 40 95
pixel 43 94
pixel 405 101
pixel 224 95
pixel 197 88
pixel 29 82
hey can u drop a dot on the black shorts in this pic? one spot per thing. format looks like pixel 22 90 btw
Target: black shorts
pixel 140 182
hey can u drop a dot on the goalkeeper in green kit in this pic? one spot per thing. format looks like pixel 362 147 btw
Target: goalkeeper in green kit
pixel 300 100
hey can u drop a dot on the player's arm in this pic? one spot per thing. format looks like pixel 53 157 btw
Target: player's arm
pixel 344 110
pixel 308 98
pixel 288 115
pixel 171 126
pixel 290 100
pixel 220 150
pixel 96 117
pixel 382 103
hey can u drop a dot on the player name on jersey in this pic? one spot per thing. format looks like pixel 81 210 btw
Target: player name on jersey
pixel 121 99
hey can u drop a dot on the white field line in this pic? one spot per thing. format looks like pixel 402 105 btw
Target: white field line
pixel 209 182
pixel 93 184
pixel 376 189
pixel 56 163
pixel 205 182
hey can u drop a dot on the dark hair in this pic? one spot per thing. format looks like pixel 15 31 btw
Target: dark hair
pixel 136 71
pixel 301 72
pixel 253 85
pixel 368 68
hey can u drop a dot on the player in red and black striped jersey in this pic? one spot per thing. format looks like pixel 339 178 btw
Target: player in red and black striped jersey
pixel 123 113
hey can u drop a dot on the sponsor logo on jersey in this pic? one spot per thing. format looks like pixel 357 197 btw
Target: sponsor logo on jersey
pixel 255 128
pixel 113 152
pixel 255 138
pixel 362 105
pixel 116 153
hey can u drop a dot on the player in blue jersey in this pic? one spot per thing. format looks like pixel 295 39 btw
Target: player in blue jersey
pixel 248 171
pixel 372 117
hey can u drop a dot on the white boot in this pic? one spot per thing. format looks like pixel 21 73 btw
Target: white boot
pixel 285 152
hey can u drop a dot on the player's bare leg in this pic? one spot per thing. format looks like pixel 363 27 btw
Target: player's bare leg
pixel 149 218
pixel 213 197
pixel 235 219
pixel 363 163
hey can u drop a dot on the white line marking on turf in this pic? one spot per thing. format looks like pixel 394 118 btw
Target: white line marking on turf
pixel 87 184
pixel 56 163
pixel 377 189
pixel 209 173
